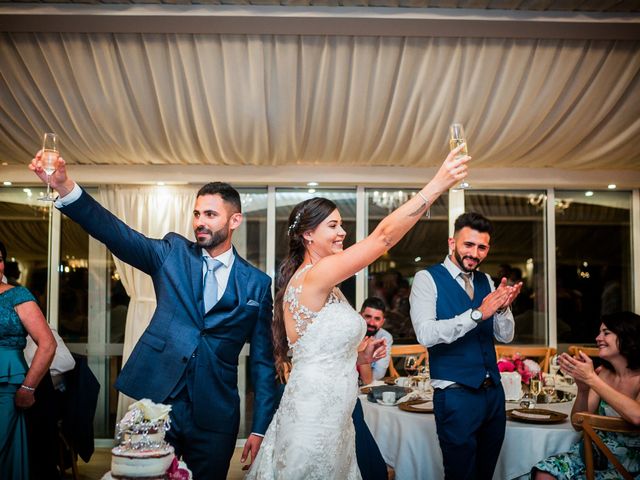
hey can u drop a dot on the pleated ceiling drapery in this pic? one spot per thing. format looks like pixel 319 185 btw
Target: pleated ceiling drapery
pixel 279 100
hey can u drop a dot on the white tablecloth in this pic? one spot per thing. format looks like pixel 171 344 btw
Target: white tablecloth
pixel 409 442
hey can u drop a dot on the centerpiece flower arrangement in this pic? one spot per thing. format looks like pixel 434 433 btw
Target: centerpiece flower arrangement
pixel 526 367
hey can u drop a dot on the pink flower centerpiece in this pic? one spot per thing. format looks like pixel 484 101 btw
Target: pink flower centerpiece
pixel 526 367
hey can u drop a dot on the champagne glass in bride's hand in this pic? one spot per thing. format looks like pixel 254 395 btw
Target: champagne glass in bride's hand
pixel 49 161
pixel 457 138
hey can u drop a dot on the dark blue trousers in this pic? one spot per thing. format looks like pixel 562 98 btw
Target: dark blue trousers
pixel 370 462
pixel 206 453
pixel 470 424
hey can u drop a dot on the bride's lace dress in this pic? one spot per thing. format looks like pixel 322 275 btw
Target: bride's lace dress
pixel 311 435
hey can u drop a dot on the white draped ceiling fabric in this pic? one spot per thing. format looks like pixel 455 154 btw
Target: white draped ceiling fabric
pixel 284 100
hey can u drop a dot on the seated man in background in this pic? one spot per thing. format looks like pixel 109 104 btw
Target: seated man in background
pixel 372 311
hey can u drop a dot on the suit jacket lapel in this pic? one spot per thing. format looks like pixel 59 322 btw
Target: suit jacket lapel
pixel 195 273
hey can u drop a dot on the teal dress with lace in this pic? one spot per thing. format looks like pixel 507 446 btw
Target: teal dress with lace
pixel 570 465
pixel 13 368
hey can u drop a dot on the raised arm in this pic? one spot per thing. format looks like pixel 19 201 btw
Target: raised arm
pixel 334 269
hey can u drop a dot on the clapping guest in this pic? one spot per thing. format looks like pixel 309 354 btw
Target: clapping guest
pixel 19 316
pixel 373 313
pixel 612 390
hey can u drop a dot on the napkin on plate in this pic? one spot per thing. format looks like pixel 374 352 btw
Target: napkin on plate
pixel 416 395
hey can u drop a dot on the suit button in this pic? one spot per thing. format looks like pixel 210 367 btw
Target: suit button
pixel 203 333
pixel 184 359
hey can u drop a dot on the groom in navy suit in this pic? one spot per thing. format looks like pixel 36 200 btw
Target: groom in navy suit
pixel 210 301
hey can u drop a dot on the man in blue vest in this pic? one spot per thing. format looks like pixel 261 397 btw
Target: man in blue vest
pixel 456 312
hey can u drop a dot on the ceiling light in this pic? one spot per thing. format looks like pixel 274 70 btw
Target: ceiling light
pixel 5 164
pixel 588 193
pixel 612 186
pixel 312 184
pixel 312 190
pixel 160 184
pixel 417 259
pixel 6 184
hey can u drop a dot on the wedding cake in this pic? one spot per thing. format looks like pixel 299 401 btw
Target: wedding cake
pixel 142 452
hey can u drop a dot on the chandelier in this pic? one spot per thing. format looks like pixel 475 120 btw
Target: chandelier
pixel 561 204
pixel 390 200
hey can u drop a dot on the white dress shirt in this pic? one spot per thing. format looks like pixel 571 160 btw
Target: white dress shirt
pixel 431 331
pixel 379 367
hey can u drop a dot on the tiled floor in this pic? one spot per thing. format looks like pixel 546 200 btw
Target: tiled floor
pixel 101 459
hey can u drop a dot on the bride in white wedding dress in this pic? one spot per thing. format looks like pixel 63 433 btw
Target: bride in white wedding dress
pixel 311 435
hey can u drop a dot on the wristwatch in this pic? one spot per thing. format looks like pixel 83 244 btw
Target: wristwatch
pixel 476 315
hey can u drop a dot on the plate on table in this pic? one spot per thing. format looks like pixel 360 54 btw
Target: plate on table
pixel 417 406
pixel 535 415
pixel 376 392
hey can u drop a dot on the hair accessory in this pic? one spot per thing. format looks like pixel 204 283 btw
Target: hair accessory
pixel 296 221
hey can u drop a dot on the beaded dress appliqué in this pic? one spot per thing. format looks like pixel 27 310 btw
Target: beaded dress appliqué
pixel 311 435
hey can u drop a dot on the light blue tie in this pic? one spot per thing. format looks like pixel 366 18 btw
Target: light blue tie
pixel 210 290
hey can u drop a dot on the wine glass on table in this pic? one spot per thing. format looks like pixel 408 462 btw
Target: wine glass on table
pixel 535 386
pixel 549 386
pixel 49 159
pixel 411 367
pixel 457 138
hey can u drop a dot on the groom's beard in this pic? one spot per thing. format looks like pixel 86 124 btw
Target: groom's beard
pixel 371 331
pixel 216 238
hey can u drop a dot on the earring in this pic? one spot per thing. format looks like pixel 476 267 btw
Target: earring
pixel 310 241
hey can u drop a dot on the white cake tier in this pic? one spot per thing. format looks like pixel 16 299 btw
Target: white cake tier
pixel 141 463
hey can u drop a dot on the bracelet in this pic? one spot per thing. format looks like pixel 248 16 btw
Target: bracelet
pixel 426 202
pixel 27 388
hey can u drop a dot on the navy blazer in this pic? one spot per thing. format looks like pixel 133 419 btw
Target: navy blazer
pixel 180 335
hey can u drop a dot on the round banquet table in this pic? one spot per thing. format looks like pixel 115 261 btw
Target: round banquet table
pixel 409 442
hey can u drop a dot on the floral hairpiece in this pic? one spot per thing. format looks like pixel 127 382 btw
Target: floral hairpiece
pixel 296 221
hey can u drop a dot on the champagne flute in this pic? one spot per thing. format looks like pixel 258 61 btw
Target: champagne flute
pixel 457 138
pixel 535 387
pixel 49 159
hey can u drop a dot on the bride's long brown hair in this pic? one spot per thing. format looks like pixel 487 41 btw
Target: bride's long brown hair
pixel 305 216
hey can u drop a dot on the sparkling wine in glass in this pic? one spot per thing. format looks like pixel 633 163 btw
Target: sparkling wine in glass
pixel 535 387
pixel 49 159
pixel 549 386
pixel 457 138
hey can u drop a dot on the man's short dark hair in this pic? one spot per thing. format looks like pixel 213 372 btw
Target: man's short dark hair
pixel 475 221
pixel 229 194
pixel 375 303
pixel 3 251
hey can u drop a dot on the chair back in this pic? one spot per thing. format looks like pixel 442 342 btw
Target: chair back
pixel 541 354
pixel 590 424
pixel 589 351
pixel 403 351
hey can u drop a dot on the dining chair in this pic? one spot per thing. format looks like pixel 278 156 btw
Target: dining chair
pixel 589 351
pixel 542 354
pixel 403 351
pixel 590 424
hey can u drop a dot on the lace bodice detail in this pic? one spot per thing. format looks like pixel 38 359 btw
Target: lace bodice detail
pixel 303 316
pixel 311 436
pixel 12 332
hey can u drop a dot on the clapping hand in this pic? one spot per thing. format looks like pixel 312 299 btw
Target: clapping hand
pixel 500 298
pixel 581 369
pixel 371 349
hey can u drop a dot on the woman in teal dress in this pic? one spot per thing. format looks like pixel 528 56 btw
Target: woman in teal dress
pixel 612 390
pixel 19 316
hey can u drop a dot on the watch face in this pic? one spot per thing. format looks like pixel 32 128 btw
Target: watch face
pixel 476 315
